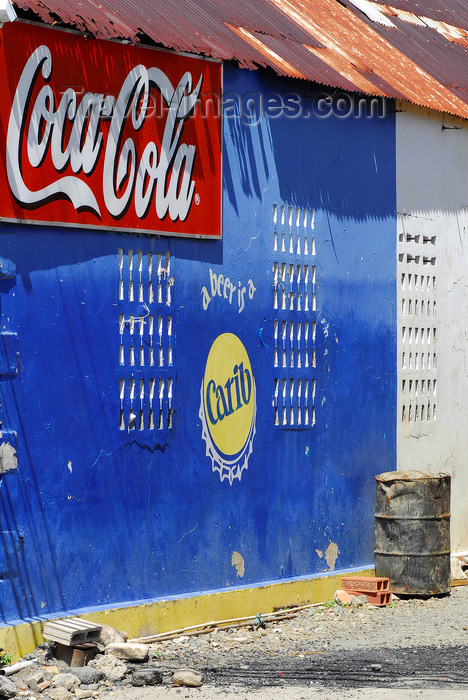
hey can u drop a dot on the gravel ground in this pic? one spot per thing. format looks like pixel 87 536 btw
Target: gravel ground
pixel 293 693
pixel 436 622
pixel 413 648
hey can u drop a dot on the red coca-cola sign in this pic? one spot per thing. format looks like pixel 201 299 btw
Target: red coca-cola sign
pixel 105 135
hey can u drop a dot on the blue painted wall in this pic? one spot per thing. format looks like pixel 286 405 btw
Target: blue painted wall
pixel 98 515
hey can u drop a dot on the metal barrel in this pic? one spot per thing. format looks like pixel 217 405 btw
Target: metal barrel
pixel 412 531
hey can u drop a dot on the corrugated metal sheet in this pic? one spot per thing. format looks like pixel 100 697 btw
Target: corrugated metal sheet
pixel 452 11
pixel 417 51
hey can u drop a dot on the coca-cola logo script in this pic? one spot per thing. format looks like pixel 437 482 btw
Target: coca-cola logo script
pixel 107 135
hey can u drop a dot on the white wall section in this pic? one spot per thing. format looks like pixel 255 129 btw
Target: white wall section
pixel 432 298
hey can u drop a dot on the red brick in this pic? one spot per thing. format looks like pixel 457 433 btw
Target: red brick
pixel 380 598
pixel 364 584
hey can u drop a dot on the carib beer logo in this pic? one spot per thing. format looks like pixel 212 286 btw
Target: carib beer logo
pixel 228 407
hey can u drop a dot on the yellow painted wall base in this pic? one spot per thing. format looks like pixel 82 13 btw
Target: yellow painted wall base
pixel 164 616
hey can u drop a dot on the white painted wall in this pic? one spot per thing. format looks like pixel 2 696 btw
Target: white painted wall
pixel 432 201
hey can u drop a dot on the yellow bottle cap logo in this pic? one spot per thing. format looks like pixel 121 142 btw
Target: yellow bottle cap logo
pixel 228 407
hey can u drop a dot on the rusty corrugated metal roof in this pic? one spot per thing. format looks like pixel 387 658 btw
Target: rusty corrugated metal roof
pixel 416 51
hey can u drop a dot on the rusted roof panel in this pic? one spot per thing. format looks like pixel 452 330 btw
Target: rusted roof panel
pixel 451 11
pixel 450 74
pixel 413 50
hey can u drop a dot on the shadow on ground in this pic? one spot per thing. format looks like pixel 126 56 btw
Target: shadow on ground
pixel 422 667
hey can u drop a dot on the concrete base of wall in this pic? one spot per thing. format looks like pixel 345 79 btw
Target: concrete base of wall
pixel 158 616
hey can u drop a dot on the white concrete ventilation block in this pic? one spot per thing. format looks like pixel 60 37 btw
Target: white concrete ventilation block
pixel 72 631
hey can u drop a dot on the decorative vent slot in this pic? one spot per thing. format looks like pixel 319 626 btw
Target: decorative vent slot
pixel 294 302
pixel 146 340
pixel 141 273
pixel 137 407
pixel 418 329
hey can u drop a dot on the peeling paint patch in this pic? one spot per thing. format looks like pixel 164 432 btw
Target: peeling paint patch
pixel 331 555
pixel 307 451
pixel 8 460
pixel 237 560
pixel 69 465
pixel 319 553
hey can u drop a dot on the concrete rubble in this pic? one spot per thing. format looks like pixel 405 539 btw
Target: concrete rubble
pixel 147 676
pixel 109 635
pixel 188 677
pixel 128 652
pixel 458 569
pixel 7 688
pixel 117 664
pixel 347 598
pixel 113 668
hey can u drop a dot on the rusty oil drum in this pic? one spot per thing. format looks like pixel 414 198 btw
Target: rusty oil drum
pixel 412 531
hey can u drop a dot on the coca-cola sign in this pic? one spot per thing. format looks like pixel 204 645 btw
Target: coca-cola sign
pixel 105 135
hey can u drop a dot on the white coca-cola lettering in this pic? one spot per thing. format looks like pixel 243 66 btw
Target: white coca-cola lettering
pixel 72 188
pixel 163 175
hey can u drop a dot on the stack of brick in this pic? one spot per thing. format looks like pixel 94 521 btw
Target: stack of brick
pixel 375 589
